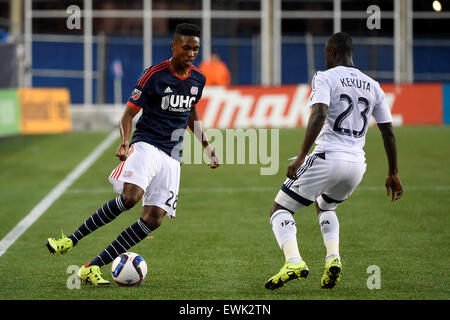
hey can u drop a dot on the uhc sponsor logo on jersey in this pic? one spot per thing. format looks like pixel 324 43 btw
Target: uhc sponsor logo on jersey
pixel 177 103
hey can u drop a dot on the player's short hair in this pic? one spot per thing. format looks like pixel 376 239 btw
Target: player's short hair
pixel 342 43
pixel 187 29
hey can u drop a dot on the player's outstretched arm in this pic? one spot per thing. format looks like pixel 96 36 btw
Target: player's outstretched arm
pixel 315 124
pixel 393 184
pixel 196 127
pixel 125 125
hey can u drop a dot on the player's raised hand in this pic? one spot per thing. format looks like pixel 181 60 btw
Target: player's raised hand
pixel 122 151
pixel 394 187
pixel 293 168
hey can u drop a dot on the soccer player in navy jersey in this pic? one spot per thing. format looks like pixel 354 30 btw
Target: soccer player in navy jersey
pixel 150 169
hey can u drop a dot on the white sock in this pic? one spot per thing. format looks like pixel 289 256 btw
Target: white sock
pixel 329 225
pixel 285 231
pixel 290 250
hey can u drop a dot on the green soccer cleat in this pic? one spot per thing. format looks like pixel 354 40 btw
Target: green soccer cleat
pixel 91 275
pixel 332 273
pixel 287 273
pixel 59 246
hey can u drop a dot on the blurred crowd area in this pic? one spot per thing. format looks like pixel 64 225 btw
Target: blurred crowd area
pixel 229 27
pixel 56 56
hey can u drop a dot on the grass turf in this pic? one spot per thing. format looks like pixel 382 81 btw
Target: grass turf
pixel 221 245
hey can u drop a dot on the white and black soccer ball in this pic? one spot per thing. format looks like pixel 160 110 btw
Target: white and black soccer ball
pixel 129 269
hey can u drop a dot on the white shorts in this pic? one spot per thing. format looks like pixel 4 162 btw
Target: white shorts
pixel 154 172
pixel 329 182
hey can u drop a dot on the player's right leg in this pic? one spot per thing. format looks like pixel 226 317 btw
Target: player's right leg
pixel 285 231
pixel 108 212
pixel 293 195
pixel 129 179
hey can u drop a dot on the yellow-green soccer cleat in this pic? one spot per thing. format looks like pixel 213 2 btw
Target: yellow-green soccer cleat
pixel 59 246
pixel 91 275
pixel 332 274
pixel 288 272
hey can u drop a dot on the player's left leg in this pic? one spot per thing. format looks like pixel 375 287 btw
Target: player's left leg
pixel 329 226
pixel 151 219
pixel 347 178
pixel 105 214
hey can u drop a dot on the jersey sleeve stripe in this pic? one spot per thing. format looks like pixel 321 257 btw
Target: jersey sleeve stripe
pixel 148 76
pixel 142 77
pixel 196 69
pixel 132 105
pixel 149 70
pixel 142 81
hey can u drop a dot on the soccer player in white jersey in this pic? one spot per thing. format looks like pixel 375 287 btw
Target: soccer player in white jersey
pixel 342 101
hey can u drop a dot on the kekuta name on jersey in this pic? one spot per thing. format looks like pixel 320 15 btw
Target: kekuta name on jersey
pixel 352 82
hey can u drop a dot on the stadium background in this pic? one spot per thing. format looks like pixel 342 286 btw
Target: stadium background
pixel 75 81
pixel 269 43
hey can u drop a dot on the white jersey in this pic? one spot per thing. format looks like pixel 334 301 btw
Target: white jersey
pixel 352 97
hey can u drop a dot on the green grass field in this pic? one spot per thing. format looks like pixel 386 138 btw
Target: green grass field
pixel 221 245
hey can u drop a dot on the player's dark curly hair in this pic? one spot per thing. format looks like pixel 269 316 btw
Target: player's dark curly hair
pixel 187 29
pixel 342 43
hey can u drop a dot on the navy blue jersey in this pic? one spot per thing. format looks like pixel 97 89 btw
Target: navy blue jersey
pixel 166 101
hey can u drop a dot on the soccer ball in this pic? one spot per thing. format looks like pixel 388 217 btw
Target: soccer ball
pixel 129 269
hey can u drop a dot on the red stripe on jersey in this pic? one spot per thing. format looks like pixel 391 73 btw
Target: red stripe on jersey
pixel 196 69
pixel 161 63
pixel 142 77
pixel 132 105
pixel 150 70
pixel 153 72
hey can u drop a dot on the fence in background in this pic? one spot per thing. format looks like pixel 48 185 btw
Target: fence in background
pixel 268 57
pixel 58 61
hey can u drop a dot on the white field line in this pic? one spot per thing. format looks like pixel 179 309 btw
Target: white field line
pixel 263 189
pixel 50 198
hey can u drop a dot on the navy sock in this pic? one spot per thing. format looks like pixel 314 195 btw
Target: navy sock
pixel 107 213
pixel 126 239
